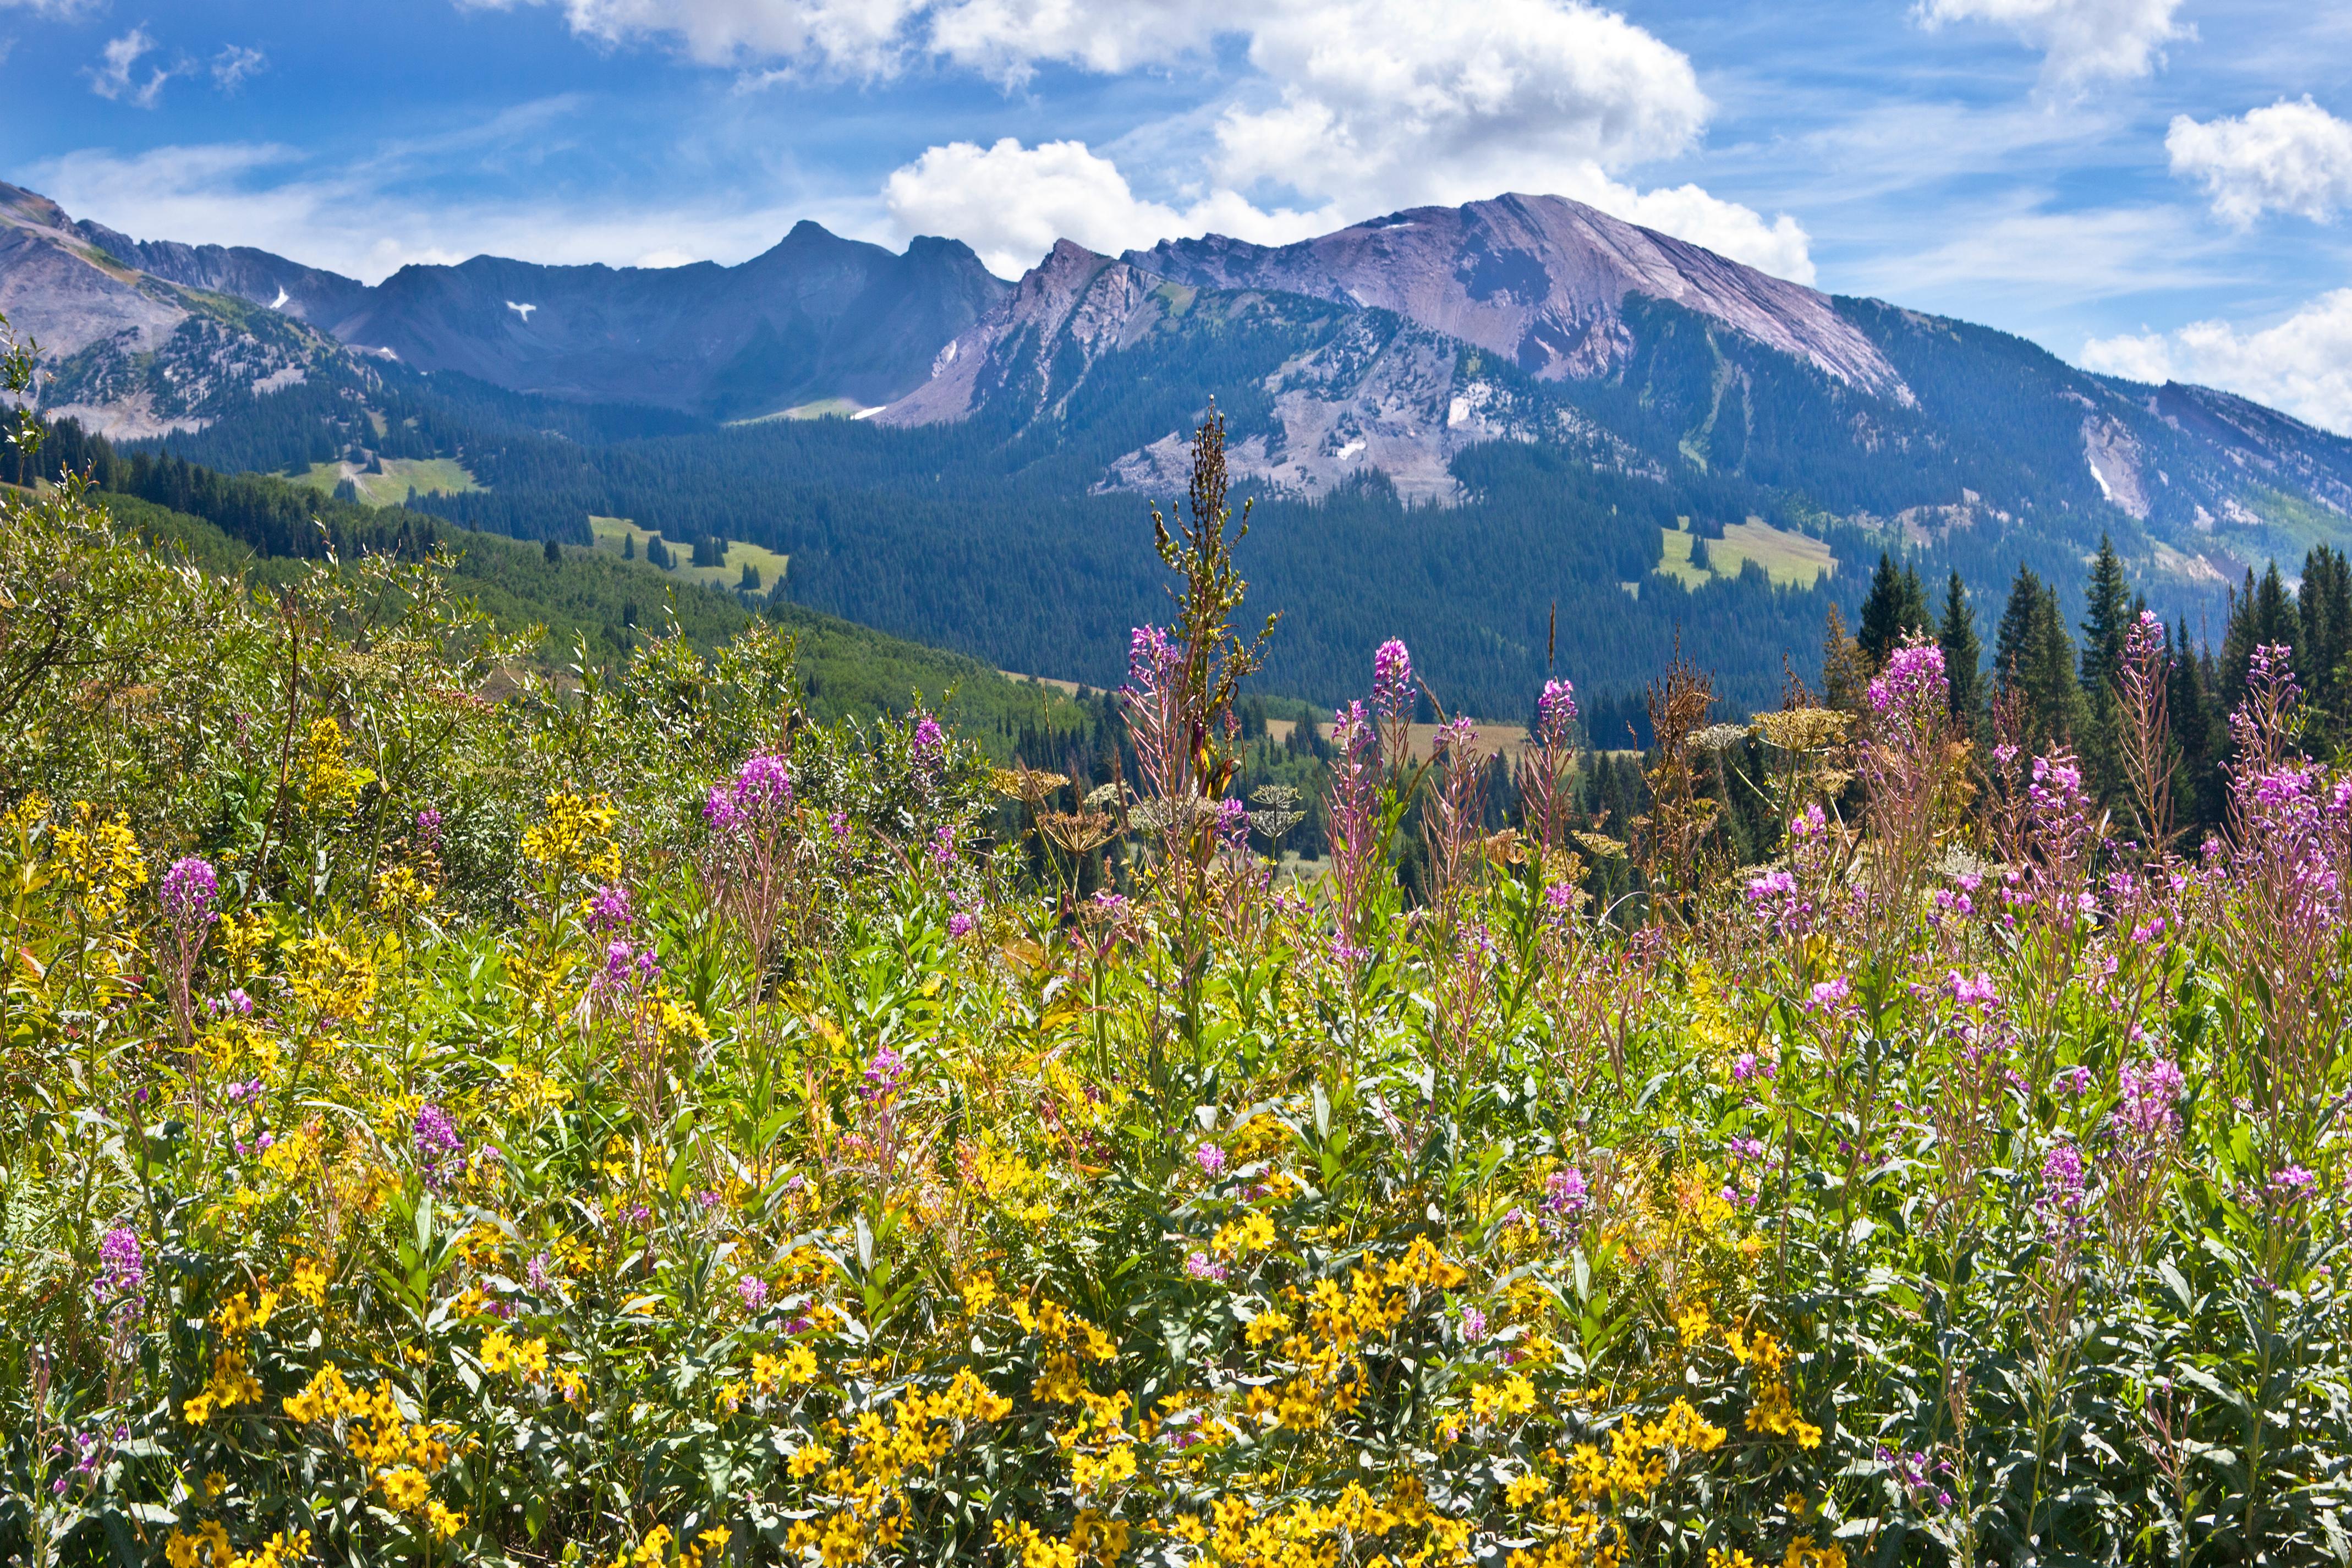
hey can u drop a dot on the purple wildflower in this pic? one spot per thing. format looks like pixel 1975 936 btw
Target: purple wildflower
pixel 1392 679
pixel 609 910
pixel 1555 711
pixel 753 1289
pixel 1565 1191
pixel 124 1260
pixel 2151 1093
pixel 188 892
pixel 1913 684
pixel 884 1073
pixel 1201 1265
pixel 1473 1325
pixel 428 828
pixel 961 924
pixel 2061 1202
pixel 437 1142
pixel 1210 1158
pixel 930 743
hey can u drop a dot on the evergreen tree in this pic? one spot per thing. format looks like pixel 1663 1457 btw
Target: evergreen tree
pixel 1698 553
pixel 628 547
pixel 2189 707
pixel 749 583
pixel 1897 605
pixel 2263 615
pixel 2035 659
pixel 657 553
pixel 1963 654
pixel 2325 609
pixel 553 550
pixel 2107 622
pixel 1845 672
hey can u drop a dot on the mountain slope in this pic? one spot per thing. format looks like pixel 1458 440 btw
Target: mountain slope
pixel 129 353
pixel 816 318
pixel 1542 280
pixel 1535 320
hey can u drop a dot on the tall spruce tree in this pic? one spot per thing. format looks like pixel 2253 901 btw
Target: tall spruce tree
pixel 2034 658
pixel 2324 606
pixel 2107 622
pixel 1963 656
pixel 2189 707
pixel 2263 615
pixel 1897 605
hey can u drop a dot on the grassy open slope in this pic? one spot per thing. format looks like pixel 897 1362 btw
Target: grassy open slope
pixel 1789 559
pixel 611 530
pixel 425 475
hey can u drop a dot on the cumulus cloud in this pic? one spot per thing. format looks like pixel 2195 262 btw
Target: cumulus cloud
pixel 1011 203
pixel 2291 157
pixel 2081 40
pixel 2304 364
pixel 1390 100
pixel 1349 108
pixel 117 78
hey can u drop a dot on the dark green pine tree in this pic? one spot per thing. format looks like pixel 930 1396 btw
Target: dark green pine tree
pixel 2107 622
pixel 1963 656
pixel 2034 657
pixel 2197 784
pixel 657 553
pixel 749 581
pixel 2262 615
pixel 628 547
pixel 1897 605
pixel 553 551
pixel 2325 607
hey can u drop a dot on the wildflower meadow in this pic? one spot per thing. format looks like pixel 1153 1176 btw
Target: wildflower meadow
pixel 459 1110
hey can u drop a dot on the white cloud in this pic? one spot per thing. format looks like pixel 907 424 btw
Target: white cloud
pixel 234 63
pixel 2081 40
pixel 1011 203
pixel 114 79
pixel 1415 101
pixel 1359 107
pixel 2291 157
pixel 2304 364
pixel 862 37
pixel 64 10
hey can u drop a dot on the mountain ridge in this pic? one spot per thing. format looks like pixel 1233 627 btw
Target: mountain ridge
pixel 814 317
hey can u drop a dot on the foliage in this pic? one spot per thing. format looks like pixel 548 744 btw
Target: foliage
pixel 630 1122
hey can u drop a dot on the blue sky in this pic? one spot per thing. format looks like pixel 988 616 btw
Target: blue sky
pixel 2147 186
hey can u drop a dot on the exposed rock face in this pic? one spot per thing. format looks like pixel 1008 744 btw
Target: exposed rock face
pixel 1074 298
pixel 1542 280
pixel 126 354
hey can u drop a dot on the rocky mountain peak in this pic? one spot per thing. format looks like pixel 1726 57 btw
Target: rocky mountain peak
pixel 1539 280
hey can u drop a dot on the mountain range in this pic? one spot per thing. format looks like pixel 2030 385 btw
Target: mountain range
pixel 1526 399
